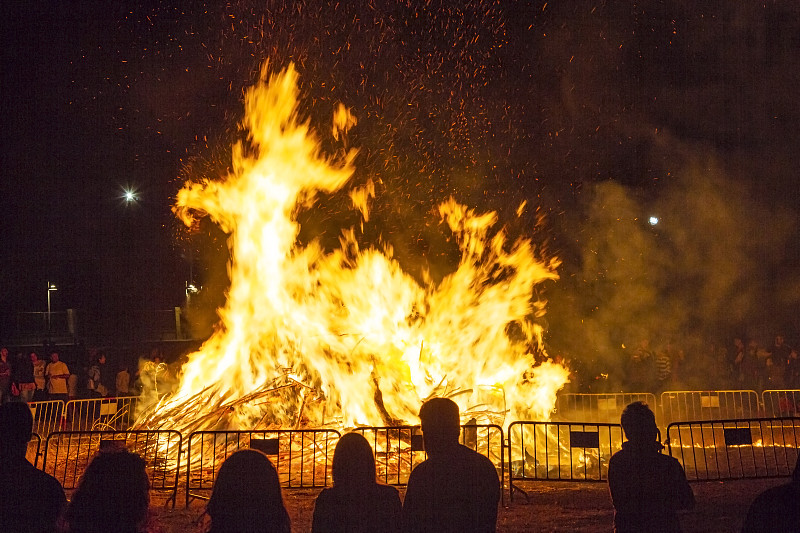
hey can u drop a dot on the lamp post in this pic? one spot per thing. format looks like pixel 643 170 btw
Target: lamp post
pixel 50 288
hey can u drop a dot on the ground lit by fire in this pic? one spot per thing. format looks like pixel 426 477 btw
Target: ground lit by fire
pixel 312 337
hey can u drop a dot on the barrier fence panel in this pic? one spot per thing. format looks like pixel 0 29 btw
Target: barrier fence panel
pixel 685 406
pixel 598 408
pixel 781 403
pixel 561 451
pixel 101 414
pixel 47 416
pixel 398 449
pixel 68 453
pixel 735 449
pixel 32 452
pixel 302 457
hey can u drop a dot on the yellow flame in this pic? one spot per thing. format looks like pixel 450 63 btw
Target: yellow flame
pixel 365 340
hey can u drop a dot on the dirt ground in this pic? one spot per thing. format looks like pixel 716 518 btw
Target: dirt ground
pixel 552 506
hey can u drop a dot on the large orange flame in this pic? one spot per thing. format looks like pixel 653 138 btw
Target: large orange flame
pixel 347 337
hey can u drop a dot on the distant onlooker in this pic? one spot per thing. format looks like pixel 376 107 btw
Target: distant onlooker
pixel 57 374
pixel 647 487
pixel 23 377
pixel 247 496
pixel 38 376
pixel 776 509
pixel 123 382
pixel 30 500
pixel 356 503
pixel 456 489
pixel 100 382
pixel 113 495
pixel 5 376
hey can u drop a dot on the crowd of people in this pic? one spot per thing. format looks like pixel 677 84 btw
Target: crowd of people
pixel 668 364
pixel 29 377
pixel 454 490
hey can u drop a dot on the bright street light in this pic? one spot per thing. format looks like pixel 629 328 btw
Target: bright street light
pixel 653 221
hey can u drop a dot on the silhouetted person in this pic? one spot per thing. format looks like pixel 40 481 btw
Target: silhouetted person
pixel 455 489
pixel 247 496
pixel 356 503
pixel 30 500
pixel 113 495
pixel 776 509
pixel 647 487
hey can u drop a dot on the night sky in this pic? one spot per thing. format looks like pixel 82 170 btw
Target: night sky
pixel 599 114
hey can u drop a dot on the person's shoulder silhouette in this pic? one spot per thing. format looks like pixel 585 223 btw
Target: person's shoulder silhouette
pixel 776 509
pixel 30 500
pixel 356 503
pixel 113 495
pixel 455 489
pixel 647 487
pixel 247 497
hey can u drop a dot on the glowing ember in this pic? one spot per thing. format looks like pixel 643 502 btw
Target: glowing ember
pixel 348 338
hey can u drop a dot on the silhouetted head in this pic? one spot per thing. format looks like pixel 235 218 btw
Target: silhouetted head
pixel 440 424
pixel 247 496
pixel 639 423
pixel 16 427
pixel 353 462
pixel 112 495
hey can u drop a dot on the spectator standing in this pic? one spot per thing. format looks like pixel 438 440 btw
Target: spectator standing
pixel 5 376
pixel 455 489
pixel 647 487
pixel 30 500
pixel 93 380
pixel 663 363
pixel 38 377
pixel 57 374
pixel 113 495
pixel 23 377
pixel 247 496
pixel 748 365
pixel 640 368
pixel 107 376
pixel 123 382
pixel 356 503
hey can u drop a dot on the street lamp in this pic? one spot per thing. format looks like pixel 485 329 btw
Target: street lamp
pixel 50 288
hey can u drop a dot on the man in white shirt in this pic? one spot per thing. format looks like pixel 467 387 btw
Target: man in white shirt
pixel 57 374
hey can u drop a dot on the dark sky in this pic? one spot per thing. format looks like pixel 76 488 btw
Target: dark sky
pixel 491 101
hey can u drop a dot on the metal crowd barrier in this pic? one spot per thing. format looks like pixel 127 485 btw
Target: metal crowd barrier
pixel 599 408
pixel 781 403
pixel 560 451
pixel 98 414
pixel 68 453
pixel 302 457
pixel 47 416
pixel 32 452
pixel 735 449
pixel 398 449
pixel 685 406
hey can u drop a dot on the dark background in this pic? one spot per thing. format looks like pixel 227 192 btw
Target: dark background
pixel 598 114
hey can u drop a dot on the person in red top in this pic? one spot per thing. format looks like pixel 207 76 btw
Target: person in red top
pixel 647 487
